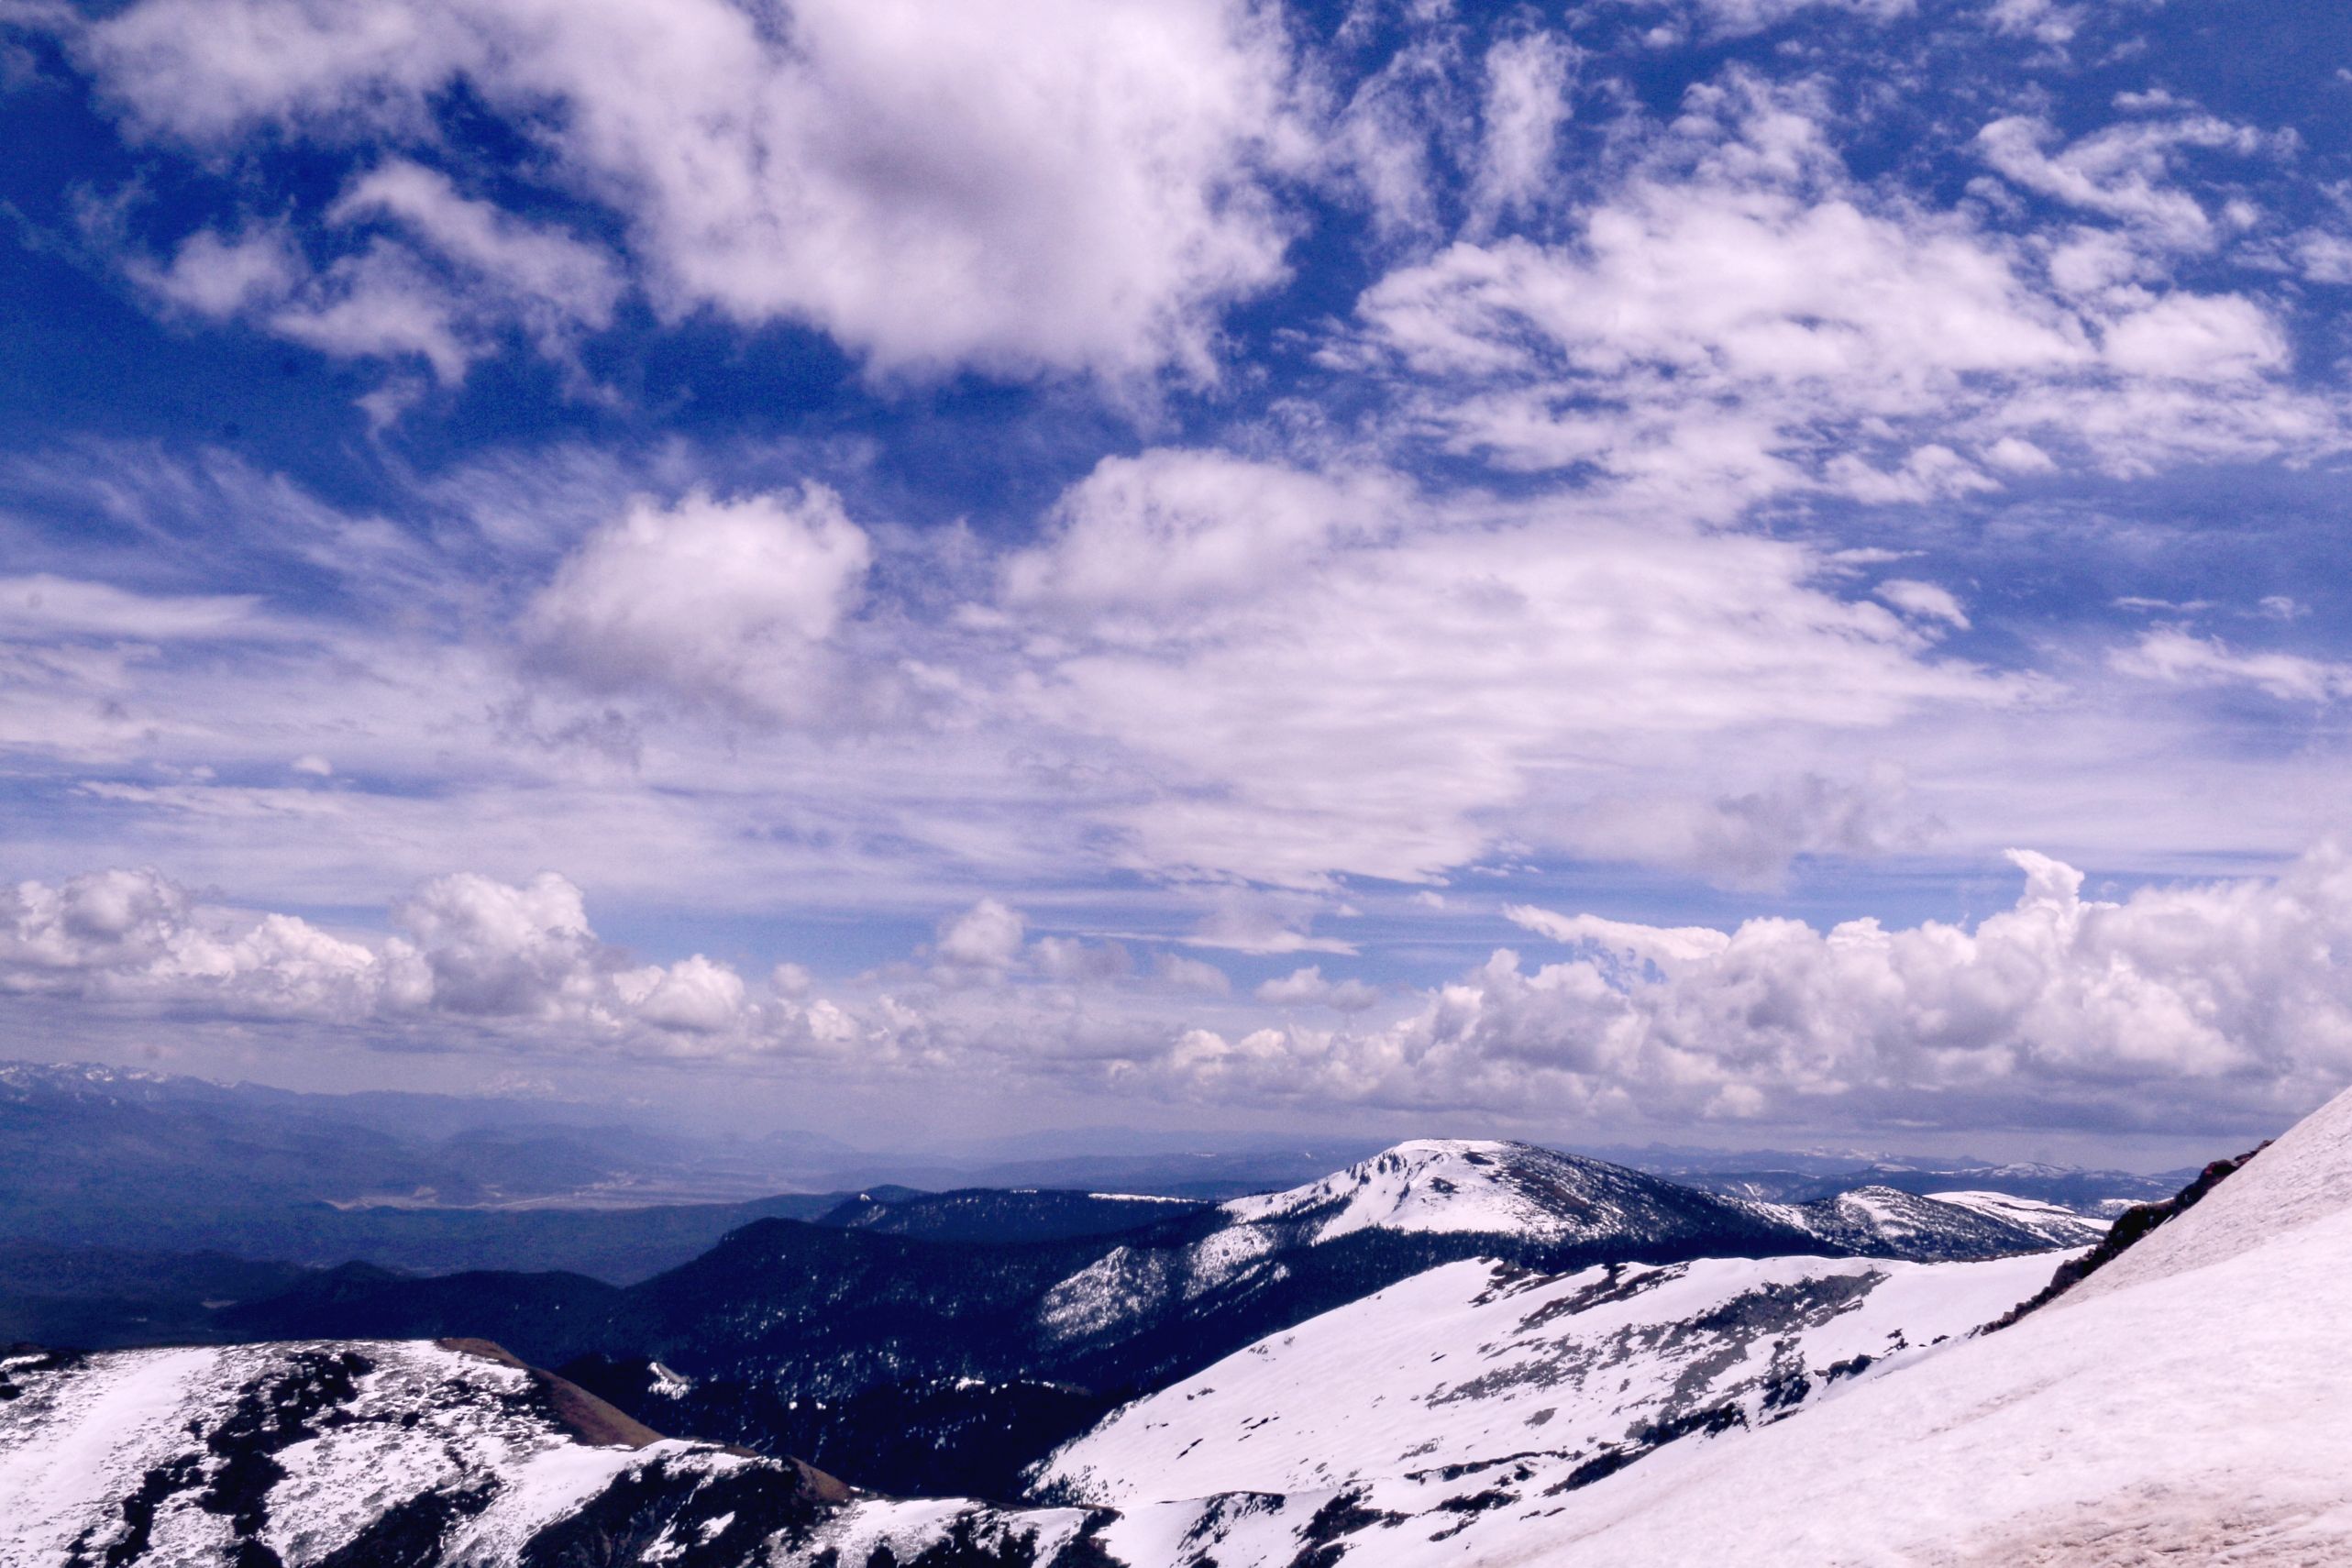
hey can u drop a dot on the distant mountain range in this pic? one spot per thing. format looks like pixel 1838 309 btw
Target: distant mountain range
pixel 1451 1353
pixel 943 1342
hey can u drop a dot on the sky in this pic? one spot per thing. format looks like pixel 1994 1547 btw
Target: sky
pixel 1735 572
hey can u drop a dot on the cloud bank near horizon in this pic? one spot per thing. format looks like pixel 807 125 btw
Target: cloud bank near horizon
pixel 2180 1008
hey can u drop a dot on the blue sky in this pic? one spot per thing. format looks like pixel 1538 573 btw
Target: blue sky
pixel 1197 563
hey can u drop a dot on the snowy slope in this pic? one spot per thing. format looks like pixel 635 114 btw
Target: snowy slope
pixel 397 1451
pixel 2190 1403
pixel 1886 1222
pixel 1474 1361
pixel 2055 1224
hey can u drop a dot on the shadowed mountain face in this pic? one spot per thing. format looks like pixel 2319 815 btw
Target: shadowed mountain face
pixel 990 1214
pixel 982 1327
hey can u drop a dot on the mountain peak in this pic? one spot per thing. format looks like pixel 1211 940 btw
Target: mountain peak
pixel 1454 1185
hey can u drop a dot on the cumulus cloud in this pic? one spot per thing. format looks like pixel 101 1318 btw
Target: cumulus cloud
pixel 1061 185
pixel 2187 1004
pixel 985 936
pixel 725 602
pixel 2044 21
pixel 222 275
pixel 2177 1007
pixel 134 935
pixel 516 960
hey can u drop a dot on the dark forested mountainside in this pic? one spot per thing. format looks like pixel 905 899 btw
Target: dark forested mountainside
pixel 980 1329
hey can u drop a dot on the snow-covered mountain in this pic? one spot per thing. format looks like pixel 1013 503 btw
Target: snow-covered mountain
pixel 2055 1224
pixel 1406 1209
pixel 2188 1401
pixel 368 1454
pixel 1440 1186
pixel 1475 1367
pixel 1451 1186
pixel 1884 1222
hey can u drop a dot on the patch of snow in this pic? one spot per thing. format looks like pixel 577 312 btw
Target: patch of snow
pixel 1468 1362
pixel 1426 1185
pixel 2054 1222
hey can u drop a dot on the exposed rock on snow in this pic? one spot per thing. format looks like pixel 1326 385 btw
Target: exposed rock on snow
pixel 2055 1224
pixel 2189 1403
pixel 376 1452
pixel 1474 1363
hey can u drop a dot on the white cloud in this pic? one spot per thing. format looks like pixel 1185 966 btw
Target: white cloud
pixel 1528 78
pixel 727 603
pixel 2044 21
pixel 2122 172
pixel 1747 836
pixel 1244 921
pixel 1656 944
pixel 539 263
pixel 1734 316
pixel 1307 988
pixel 218 275
pixel 1393 144
pixel 1059 184
pixel 2178 1005
pixel 2325 257
pixel 381 302
pixel 2198 337
pixel 516 961
pixel 1169 532
pixel 41 606
pixel 1385 706
pixel 557 285
pixel 2182 659
pixel 499 949
pixel 134 935
pixel 1183 973
pixel 435 275
pixel 694 996
pixel 1072 961
pixel 1926 601
pixel 985 936
pixel 2018 457
pixel 1736 18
